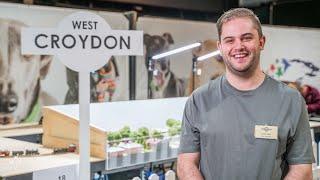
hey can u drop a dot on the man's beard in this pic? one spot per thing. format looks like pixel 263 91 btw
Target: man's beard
pixel 247 71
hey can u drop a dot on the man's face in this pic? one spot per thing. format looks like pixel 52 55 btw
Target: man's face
pixel 240 46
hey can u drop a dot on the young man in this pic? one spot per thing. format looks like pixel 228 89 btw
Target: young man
pixel 244 125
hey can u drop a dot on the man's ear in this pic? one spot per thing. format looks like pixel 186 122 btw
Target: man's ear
pixel 219 45
pixel 45 61
pixel 262 42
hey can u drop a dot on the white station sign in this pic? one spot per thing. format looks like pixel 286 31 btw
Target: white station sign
pixel 83 41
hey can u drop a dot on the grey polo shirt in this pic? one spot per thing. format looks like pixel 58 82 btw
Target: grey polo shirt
pixel 219 122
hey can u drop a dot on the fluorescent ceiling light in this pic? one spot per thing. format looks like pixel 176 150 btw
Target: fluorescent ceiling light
pixel 214 53
pixel 176 51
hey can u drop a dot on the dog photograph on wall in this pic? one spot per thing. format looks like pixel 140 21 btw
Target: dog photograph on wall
pixel 171 75
pixel 29 82
pixel 163 83
pixel 21 94
pixel 103 84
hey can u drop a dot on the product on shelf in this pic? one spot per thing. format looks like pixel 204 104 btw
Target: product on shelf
pixel 126 141
pixel 131 147
pixel 30 152
pixel 17 153
pixel 4 153
pixel 115 151
pixel 72 148
pixel 152 142
pixel 60 150
pixel 174 127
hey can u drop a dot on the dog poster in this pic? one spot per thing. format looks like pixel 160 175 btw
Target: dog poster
pixel 292 54
pixel 28 82
pixel 172 75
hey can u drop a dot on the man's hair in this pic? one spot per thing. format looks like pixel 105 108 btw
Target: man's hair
pixel 239 13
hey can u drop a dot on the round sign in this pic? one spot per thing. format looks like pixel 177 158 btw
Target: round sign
pixel 84 27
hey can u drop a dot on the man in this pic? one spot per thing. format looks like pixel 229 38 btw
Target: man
pixel 244 125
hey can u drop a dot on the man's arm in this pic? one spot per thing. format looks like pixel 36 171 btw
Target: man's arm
pixel 299 172
pixel 188 166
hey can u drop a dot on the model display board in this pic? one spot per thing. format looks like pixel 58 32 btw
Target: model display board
pixel 127 147
pixel 60 123
pixel 46 160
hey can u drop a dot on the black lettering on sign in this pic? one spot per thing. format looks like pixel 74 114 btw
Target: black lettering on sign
pixel 93 45
pixel 83 41
pixel 89 25
pixel 37 43
pixel 126 43
pixel 85 24
pixel 95 24
pixel 54 40
pixel 72 39
pixel 76 24
pixel 114 42
pixel 62 177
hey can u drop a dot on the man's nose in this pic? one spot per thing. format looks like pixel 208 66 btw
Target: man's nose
pixel 238 44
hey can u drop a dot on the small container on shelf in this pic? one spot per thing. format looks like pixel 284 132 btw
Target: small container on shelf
pixel 4 153
pixel 17 153
pixel 72 148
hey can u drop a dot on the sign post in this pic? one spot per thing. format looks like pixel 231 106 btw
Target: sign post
pixel 84 42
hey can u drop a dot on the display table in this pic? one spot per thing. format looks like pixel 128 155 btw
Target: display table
pixel 24 167
pixel 62 122
pixel 166 151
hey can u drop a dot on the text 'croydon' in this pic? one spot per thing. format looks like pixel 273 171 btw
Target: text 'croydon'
pixel 69 41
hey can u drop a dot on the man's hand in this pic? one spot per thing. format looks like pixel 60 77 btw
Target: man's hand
pixel 299 172
pixel 188 166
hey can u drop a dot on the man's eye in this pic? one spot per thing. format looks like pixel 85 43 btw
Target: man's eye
pixel 229 41
pixel 247 38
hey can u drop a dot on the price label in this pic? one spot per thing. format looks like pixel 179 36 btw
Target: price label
pixel 58 173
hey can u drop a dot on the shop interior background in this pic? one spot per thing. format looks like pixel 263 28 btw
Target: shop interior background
pixel 291 51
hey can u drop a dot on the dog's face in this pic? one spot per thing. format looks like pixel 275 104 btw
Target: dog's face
pixel 105 80
pixel 19 74
pixel 156 45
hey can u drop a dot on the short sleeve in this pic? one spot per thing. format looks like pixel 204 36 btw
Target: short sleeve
pixel 190 135
pixel 299 150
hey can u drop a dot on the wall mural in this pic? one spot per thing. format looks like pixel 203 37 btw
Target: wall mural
pixel 281 67
pixel 164 83
pixel 291 54
pixel 172 75
pixel 28 82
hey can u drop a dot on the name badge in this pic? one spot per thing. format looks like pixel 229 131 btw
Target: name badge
pixel 266 132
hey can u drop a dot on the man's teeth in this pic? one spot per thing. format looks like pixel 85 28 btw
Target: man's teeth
pixel 240 55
